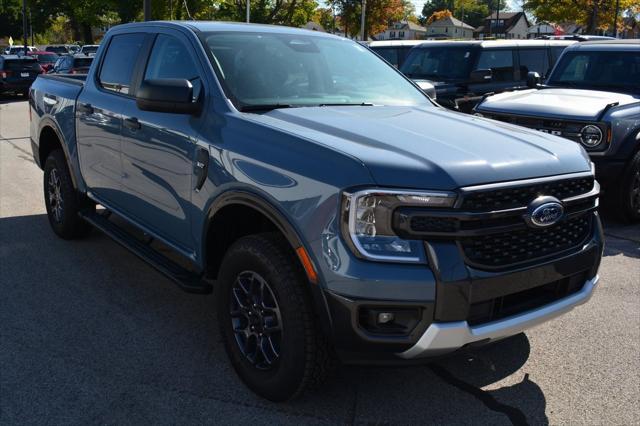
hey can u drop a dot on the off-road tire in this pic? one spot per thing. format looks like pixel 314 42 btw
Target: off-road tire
pixel 305 357
pixel 67 224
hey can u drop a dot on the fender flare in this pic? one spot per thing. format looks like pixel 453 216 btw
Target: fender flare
pixel 49 122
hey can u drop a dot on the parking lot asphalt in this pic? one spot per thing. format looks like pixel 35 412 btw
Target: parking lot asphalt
pixel 91 334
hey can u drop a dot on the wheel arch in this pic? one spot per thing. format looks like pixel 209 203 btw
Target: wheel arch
pixel 50 138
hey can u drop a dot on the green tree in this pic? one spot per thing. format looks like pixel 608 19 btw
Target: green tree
pixel 594 14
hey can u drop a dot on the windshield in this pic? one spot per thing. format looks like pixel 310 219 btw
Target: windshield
pixel 439 63
pixel 57 49
pixel 82 62
pixel 46 59
pixel 280 70
pixel 612 70
pixel 89 49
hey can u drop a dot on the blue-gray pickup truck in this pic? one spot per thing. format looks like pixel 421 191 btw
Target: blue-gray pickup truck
pixel 334 209
pixel 592 97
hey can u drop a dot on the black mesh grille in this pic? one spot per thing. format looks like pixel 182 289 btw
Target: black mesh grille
pixel 433 224
pixel 504 249
pixel 514 197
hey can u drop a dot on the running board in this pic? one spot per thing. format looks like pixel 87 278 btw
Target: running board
pixel 186 280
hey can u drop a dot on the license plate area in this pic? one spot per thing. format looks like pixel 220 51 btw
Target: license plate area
pixel 24 74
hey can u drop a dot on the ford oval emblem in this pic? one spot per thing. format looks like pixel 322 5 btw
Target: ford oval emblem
pixel 545 211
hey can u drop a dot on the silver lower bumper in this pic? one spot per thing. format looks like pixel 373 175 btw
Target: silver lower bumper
pixel 446 337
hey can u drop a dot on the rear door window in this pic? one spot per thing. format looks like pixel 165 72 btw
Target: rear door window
pixel 22 65
pixel 119 62
pixel 500 62
pixel 533 60
pixel 389 54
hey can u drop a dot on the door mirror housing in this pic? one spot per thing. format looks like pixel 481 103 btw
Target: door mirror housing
pixel 174 95
pixel 428 88
pixel 481 76
pixel 533 79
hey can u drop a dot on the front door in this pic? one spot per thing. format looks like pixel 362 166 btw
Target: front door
pixel 158 148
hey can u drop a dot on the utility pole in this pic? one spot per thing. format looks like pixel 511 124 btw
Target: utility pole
pixel 248 11
pixel 24 24
pixel 498 21
pixel 364 11
pixel 31 27
pixel 615 19
pixel 147 9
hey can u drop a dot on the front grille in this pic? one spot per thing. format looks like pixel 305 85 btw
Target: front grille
pixel 514 197
pixel 423 224
pixel 509 248
pixel 515 303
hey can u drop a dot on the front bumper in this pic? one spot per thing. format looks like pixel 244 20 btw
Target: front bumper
pixel 441 338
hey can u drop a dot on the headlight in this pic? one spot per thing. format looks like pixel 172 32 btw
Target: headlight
pixel 590 136
pixel 367 218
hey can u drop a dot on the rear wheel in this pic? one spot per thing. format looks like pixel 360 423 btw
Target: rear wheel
pixel 62 201
pixel 266 319
pixel 629 195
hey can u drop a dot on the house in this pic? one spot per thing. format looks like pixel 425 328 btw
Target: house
pixel 449 27
pixel 313 26
pixel 509 25
pixel 404 30
pixel 544 29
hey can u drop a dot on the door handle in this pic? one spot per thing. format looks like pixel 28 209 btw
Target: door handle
pixel 201 167
pixel 132 123
pixel 85 108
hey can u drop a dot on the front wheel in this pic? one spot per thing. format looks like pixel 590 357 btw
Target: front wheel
pixel 62 201
pixel 266 319
pixel 629 194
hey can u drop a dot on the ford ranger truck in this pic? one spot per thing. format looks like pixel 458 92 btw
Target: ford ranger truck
pixel 338 213
pixel 592 97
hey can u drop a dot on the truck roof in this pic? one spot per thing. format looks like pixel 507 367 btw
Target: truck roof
pixel 497 43
pixel 228 27
pixel 630 44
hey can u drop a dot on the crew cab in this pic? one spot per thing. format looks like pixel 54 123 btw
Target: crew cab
pixel 592 97
pixel 465 71
pixel 336 210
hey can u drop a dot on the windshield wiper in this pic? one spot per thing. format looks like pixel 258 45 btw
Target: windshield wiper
pixel 347 104
pixel 263 107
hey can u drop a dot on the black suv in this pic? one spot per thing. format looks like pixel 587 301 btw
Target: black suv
pixel 464 71
pixel 17 73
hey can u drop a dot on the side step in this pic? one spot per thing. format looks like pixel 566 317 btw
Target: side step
pixel 186 280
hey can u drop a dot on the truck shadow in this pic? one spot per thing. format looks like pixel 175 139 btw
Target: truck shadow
pixel 91 310
pixel 10 98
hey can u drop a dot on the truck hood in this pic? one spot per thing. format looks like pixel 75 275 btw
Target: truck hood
pixel 568 104
pixel 429 147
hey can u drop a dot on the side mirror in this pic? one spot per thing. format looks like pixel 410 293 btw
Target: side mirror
pixel 533 79
pixel 167 95
pixel 481 76
pixel 428 88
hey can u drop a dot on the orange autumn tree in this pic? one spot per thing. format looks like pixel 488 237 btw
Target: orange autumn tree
pixel 438 15
pixel 379 14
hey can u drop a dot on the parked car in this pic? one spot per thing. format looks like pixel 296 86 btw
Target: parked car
pixel 45 59
pixel 18 50
pixel 336 209
pixel 89 49
pixel 394 51
pixel 576 37
pixel 59 49
pixel 17 73
pixel 72 64
pixel 464 71
pixel 592 97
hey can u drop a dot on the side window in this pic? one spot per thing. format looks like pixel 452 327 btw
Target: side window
pixel 119 61
pixel 170 59
pixel 533 60
pixel 556 51
pixel 390 55
pixel 500 62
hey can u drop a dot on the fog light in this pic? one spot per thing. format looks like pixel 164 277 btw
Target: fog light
pixel 385 317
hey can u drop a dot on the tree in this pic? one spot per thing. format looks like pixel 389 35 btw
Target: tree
pixel 280 12
pixel 379 14
pixel 593 14
pixel 474 11
pixel 438 15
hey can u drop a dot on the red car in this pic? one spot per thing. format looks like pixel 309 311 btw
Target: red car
pixel 45 59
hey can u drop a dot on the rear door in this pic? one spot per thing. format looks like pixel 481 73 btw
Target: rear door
pixel 158 148
pixel 99 117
